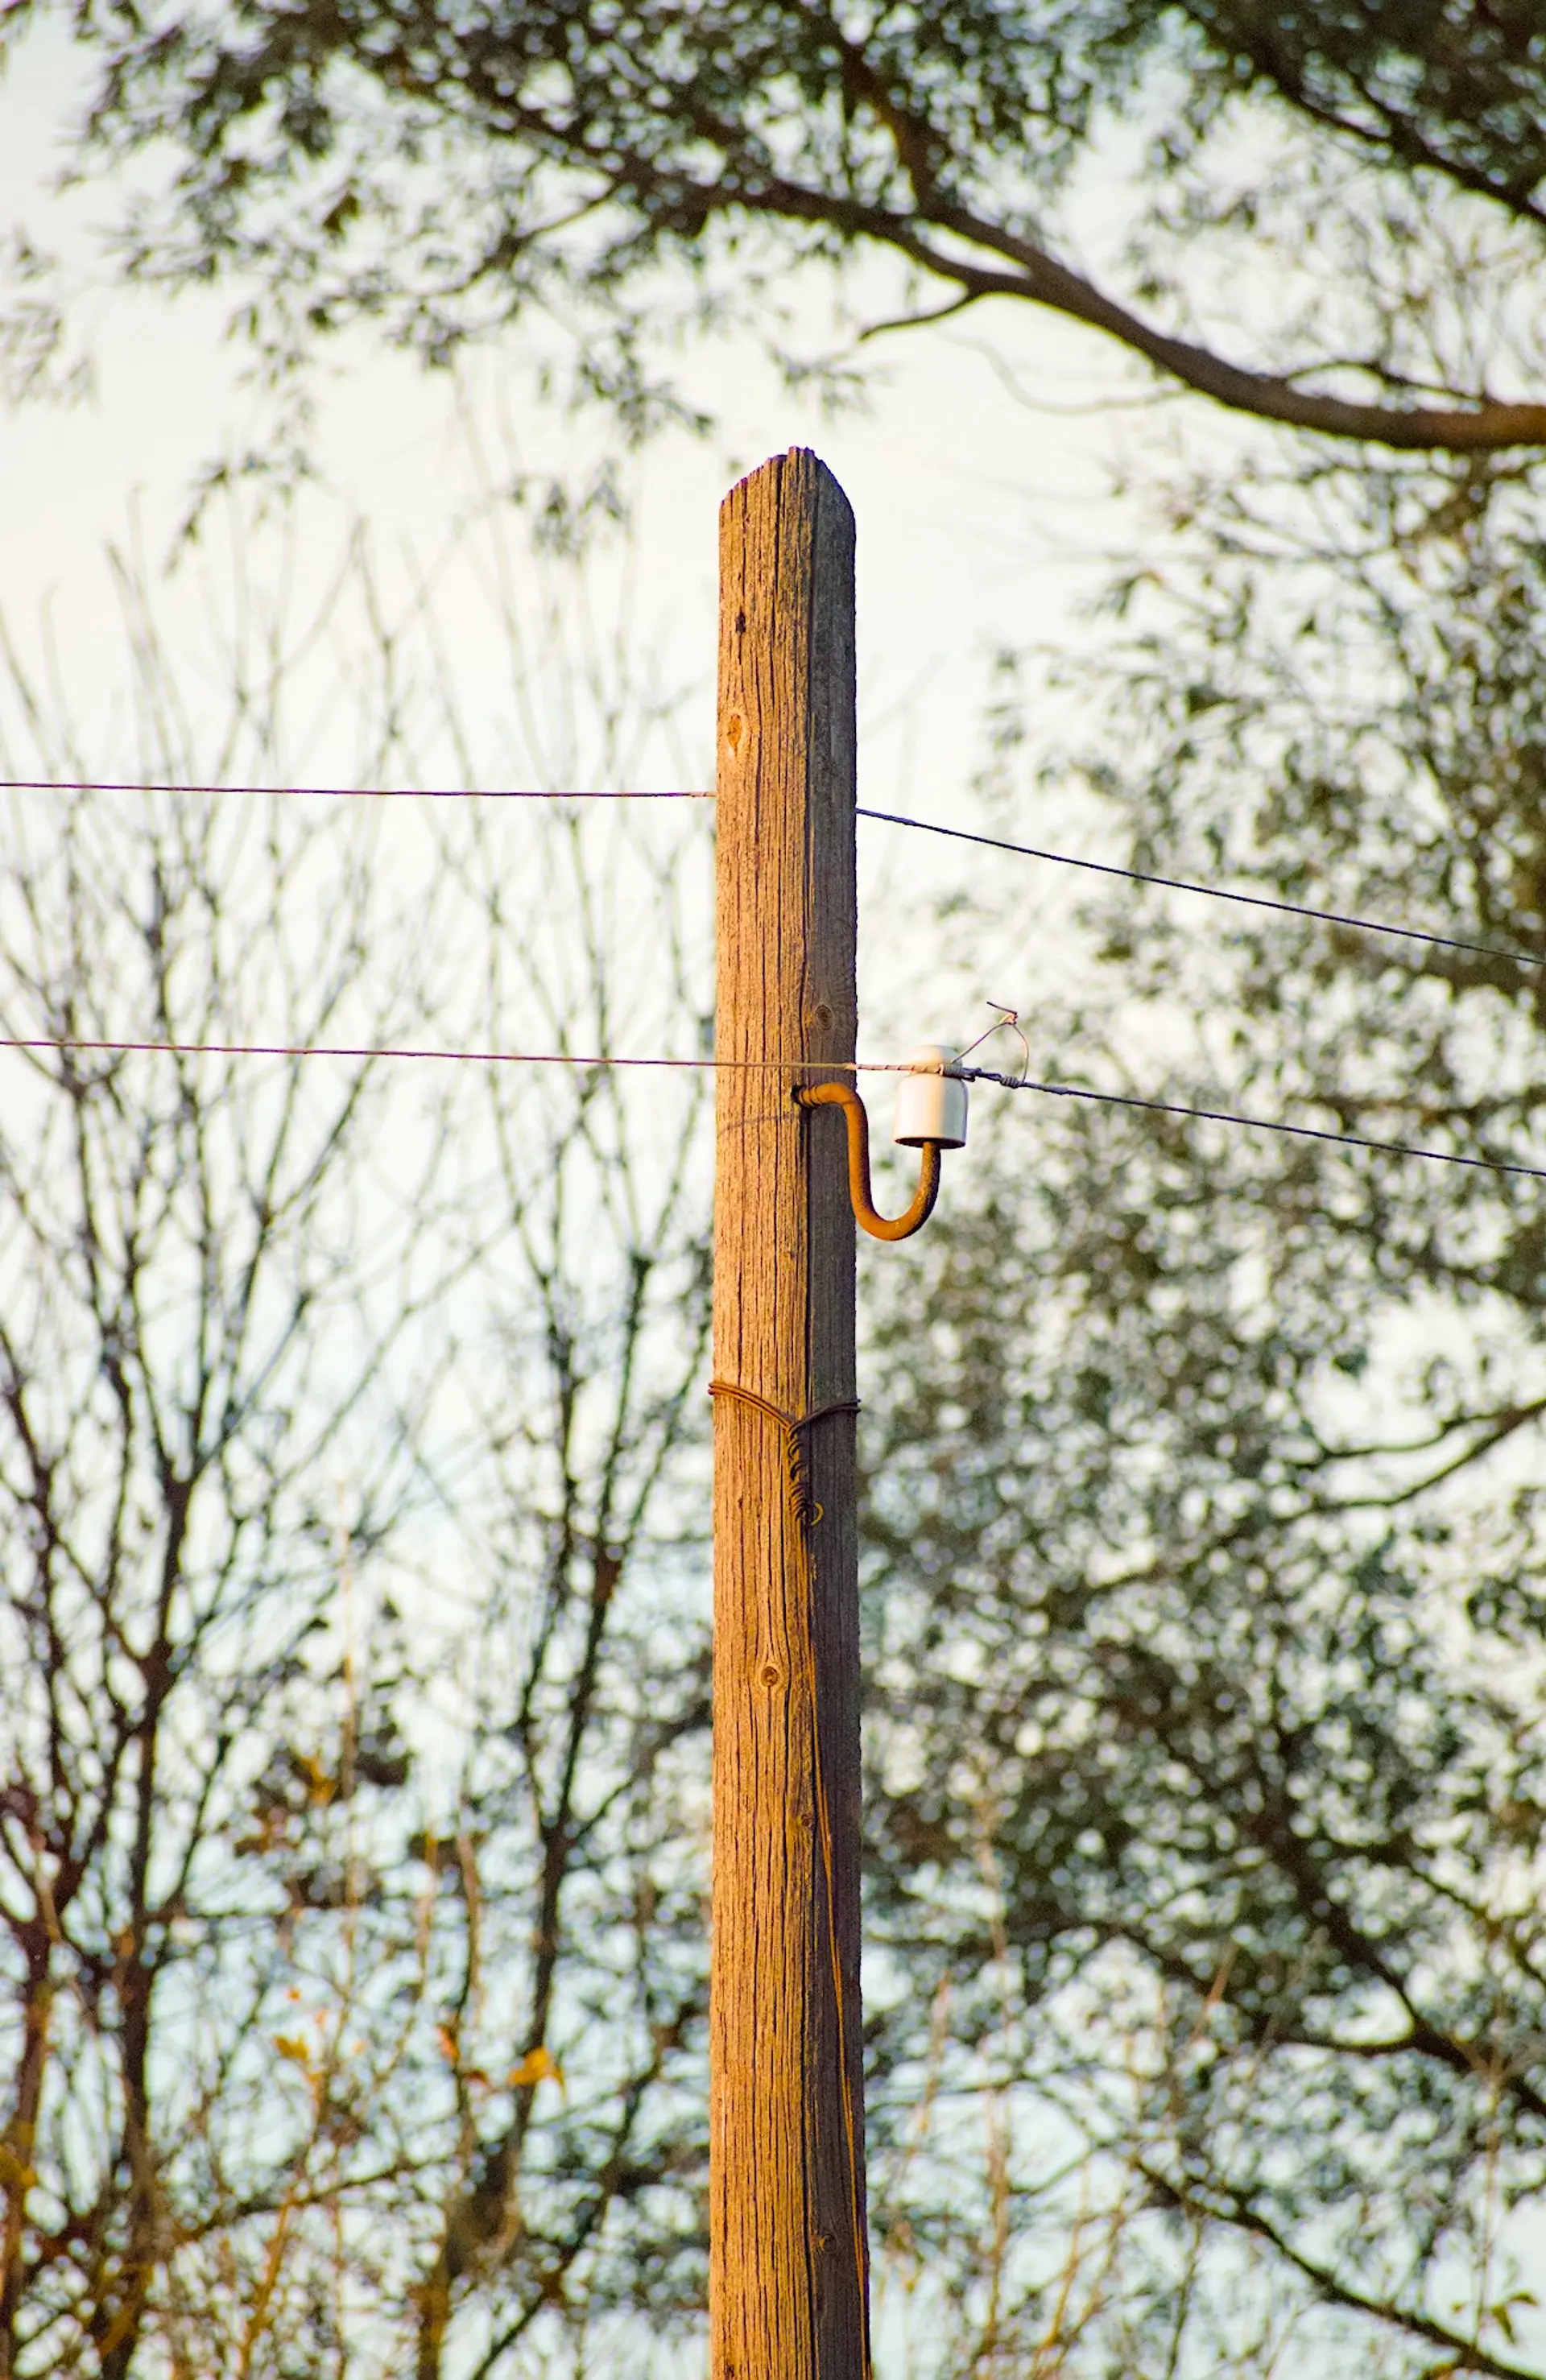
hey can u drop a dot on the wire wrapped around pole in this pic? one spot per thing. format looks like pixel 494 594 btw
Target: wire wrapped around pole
pixel 900 1227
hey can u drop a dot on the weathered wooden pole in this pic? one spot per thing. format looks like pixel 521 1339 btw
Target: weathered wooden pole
pixel 788 2294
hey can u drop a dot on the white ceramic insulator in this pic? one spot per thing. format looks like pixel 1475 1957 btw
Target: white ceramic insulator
pixel 930 1104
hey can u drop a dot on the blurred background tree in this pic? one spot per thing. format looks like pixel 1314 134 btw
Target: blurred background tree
pixel 1206 1529
pixel 350 1499
pixel 637 168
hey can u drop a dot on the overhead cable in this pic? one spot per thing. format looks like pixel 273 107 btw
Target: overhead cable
pixel 888 818
pixel 354 793
pixel 1212 892
pixel 462 1057
pixel 834 1067
pixel 1250 1123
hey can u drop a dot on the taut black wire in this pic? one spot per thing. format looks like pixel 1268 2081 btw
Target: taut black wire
pixel 765 1065
pixel 887 818
pixel 1213 892
pixel 1252 1123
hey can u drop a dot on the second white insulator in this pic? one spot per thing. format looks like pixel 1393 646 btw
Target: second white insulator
pixel 930 1104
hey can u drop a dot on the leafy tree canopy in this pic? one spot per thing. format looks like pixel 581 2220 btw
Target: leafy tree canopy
pixel 1206 1531
pixel 446 168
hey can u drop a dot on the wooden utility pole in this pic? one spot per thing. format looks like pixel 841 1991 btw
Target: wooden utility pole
pixel 788 2275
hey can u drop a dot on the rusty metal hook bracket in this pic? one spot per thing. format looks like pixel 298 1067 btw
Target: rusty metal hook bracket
pixel 900 1227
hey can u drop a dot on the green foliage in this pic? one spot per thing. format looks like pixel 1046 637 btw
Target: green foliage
pixel 621 173
pixel 1207 1539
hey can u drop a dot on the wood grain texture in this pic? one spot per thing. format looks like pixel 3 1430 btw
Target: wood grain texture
pixel 787 2292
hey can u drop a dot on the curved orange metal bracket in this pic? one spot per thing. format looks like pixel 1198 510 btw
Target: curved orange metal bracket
pixel 900 1227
